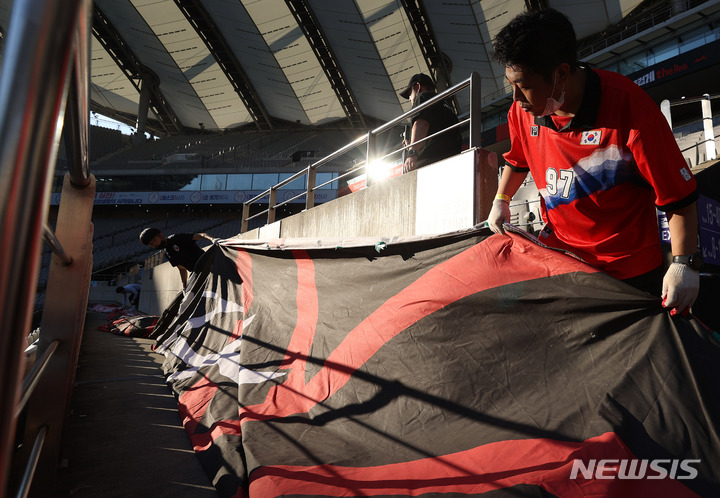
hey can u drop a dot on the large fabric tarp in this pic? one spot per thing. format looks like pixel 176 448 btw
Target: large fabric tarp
pixel 462 364
pixel 131 325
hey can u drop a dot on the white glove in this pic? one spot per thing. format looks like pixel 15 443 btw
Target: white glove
pixel 680 288
pixel 499 214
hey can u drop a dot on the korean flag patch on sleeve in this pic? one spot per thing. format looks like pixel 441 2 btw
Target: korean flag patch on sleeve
pixel 591 137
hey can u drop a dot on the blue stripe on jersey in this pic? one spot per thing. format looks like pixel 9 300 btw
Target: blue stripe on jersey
pixel 601 171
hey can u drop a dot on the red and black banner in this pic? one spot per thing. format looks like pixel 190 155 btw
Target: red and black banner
pixel 131 325
pixel 460 365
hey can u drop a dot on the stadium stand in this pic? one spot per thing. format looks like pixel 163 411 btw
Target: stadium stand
pixel 289 144
pixel 149 152
pixel 691 140
pixel 115 242
pixel 106 141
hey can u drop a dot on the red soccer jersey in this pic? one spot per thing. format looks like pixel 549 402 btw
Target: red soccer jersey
pixel 602 173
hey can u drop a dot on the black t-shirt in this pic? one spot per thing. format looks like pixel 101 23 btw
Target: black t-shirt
pixel 182 250
pixel 439 116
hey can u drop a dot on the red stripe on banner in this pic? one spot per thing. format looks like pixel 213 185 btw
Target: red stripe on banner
pixel 494 262
pixel 542 462
pixel 307 305
pixel 194 401
pixel 192 404
pixel 243 265
pixel 237 331
pixel 305 330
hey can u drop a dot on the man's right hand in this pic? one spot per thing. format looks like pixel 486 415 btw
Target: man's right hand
pixel 499 214
pixel 680 287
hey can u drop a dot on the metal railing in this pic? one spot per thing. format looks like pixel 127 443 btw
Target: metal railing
pixel 44 84
pixel 644 25
pixel 607 40
pixel 472 84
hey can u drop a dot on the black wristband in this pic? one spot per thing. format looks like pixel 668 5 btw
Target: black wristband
pixel 694 261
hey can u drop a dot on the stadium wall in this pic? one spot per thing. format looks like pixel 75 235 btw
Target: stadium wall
pixel 449 195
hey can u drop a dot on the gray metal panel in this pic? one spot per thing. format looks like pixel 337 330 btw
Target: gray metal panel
pixel 295 57
pixel 372 41
pixel 149 49
pixel 253 53
pixel 110 88
pixel 197 66
pixel 394 39
pixel 356 51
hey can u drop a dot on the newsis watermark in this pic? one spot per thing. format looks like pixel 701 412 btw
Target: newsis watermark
pixel 633 468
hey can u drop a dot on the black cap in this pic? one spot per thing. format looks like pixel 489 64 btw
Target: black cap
pixel 421 78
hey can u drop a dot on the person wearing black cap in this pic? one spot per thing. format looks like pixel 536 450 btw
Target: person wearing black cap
pixel 180 248
pixel 429 121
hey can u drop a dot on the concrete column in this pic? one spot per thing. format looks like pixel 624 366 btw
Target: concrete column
pixel 63 320
pixel 143 106
pixel 486 182
pixel 709 134
pixel 475 111
pixel 665 108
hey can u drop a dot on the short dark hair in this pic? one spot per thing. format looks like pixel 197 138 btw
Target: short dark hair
pixel 148 234
pixel 120 290
pixel 537 40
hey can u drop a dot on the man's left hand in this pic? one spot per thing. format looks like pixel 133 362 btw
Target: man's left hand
pixel 409 164
pixel 681 285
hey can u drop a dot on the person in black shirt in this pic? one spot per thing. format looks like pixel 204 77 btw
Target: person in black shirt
pixel 429 121
pixel 180 248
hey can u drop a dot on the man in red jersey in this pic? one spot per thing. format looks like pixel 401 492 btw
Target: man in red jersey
pixel 603 157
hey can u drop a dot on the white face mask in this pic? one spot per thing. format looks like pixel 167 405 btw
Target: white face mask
pixel 552 105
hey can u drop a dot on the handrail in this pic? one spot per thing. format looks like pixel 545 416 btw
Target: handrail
pixel 694 100
pixel 655 19
pixel 287 201
pixel 77 110
pixel 416 110
pixel 55 244
pixel 333 180
pixel 697 144
pixel 425 139
pixel 368 139
pixel 605 42
pixel 32 463
pixel 35 77
pixel 32 378
pixel 316 164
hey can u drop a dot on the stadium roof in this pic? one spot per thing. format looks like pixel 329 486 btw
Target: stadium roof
pixel 224 64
